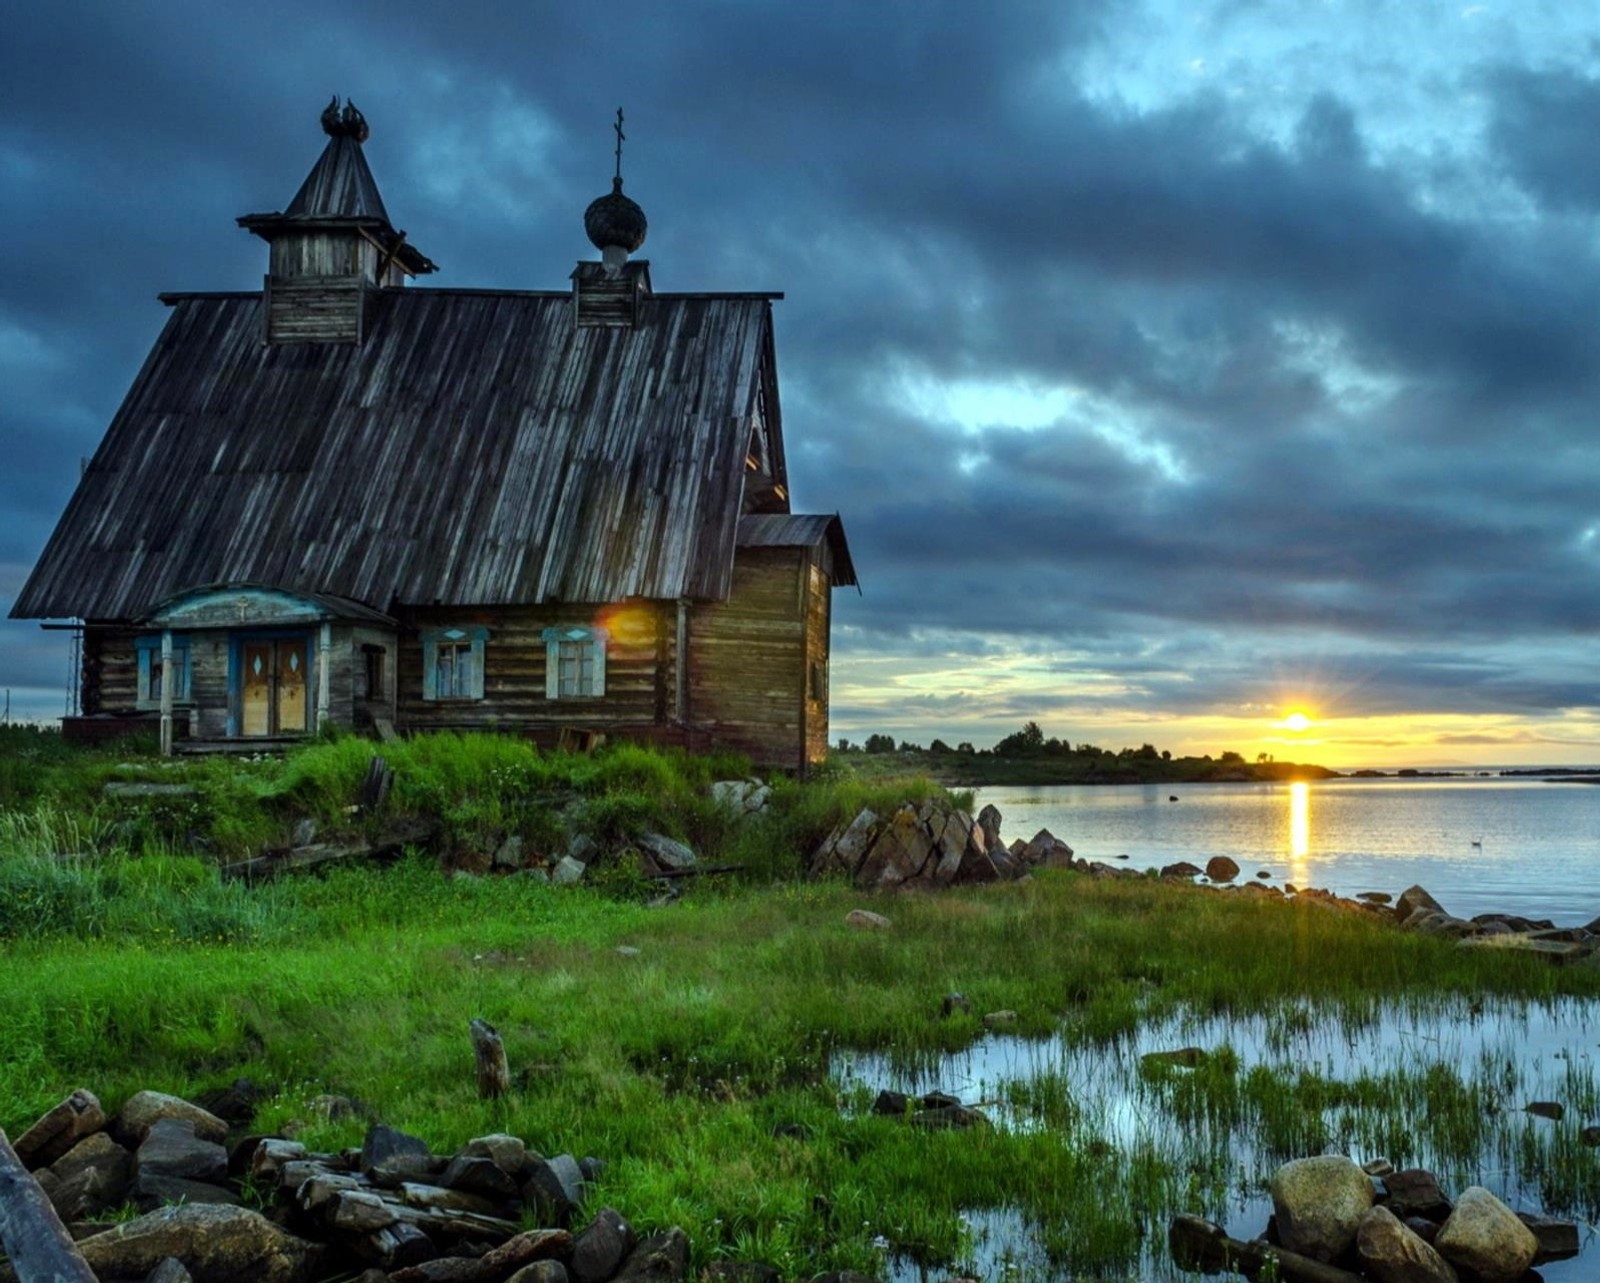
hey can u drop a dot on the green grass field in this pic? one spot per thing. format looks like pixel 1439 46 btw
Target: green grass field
pixel 130 964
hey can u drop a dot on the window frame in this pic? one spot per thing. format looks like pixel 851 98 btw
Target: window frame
pixel 473 639
pixel 374 663
pixel 554 639
pixel 148 649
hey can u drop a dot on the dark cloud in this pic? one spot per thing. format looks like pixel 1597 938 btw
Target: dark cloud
pixel 1308 420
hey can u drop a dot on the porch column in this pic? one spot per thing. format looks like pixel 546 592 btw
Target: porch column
pixel 324 675
pixel 166 692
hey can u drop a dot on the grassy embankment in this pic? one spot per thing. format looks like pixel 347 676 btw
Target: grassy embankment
pixel 130 964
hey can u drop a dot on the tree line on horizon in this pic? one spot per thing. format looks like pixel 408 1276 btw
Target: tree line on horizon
pixel 1030 742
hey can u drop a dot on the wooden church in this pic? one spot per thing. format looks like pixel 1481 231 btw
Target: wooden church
pixel 344 499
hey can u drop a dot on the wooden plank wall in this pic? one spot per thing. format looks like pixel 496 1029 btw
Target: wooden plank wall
pixel 110 670
pixel 819 606
pixel 639 666
pixel 349 676
pixel 208 683
pixel 746 656
pixel 315 309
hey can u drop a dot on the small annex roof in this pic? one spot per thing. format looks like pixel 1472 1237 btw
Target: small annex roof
pixel 801 530
pixel 475 448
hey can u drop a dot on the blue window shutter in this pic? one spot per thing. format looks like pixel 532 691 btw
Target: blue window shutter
pixel 478 637
pixel 144 674
pixel 599 661
pixel 430 663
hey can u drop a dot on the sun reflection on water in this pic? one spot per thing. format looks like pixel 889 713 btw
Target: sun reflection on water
pixel 1299 831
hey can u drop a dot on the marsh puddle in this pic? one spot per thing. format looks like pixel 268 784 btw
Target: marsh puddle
pixel 1440 1086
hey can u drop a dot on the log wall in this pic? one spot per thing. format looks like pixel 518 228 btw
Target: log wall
pixel 815 670
pixel 746 657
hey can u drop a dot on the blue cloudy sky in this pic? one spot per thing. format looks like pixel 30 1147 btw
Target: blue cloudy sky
pixel 1172 364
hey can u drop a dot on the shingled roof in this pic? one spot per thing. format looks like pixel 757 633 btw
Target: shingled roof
pixel 476 448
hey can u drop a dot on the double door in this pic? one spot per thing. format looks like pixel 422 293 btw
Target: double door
pixel 273 698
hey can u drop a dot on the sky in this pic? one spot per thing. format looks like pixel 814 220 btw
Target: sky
pixel 1174 366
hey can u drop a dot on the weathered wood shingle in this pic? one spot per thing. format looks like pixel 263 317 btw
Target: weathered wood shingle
pixel 476 448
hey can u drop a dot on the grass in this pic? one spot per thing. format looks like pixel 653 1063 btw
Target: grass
pixel 129 964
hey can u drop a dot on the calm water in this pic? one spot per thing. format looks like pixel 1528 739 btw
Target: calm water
pixel 1479 845
pixel 1504 1054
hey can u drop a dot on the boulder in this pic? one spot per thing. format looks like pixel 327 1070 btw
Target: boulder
pixel 1047 850
pixel 141 1111
pixel 1220 868
pixel 598 1253
pixel 1485 1237
pixel 999 1019
pixel 216 1244
pixel 568 871
pixel 171 1148
pixel 1182 869
pixel 1319 1203
pixel 60 1128
pixel 151 1190
pixel 952 1003
pixel 866 920
pixel 390 1156
pixel 843 850
pixel 553 1188
pixel 989 826
pixel 1412 899
pixel 1551 1109
pixel 90 1178
pixel 541 1272
pixel 508 1153
pixel 668 854
pixel 479 1176
pixel 901 853
pixel 661 1258
pixel 741 797
pixel 1391 1253
pixel 1415 1192
pixel 170 1270
pixel 508 855
pixel 236 1103
pixel 1558 1239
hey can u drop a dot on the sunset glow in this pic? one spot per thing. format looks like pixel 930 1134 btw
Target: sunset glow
pixel 1296 721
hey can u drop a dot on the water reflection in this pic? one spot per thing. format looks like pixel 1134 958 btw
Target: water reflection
pixel 1300 831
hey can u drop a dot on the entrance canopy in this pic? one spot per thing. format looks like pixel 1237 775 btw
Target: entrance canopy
pixel 255 606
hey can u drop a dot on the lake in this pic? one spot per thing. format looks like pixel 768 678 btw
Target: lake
pixel 1480 845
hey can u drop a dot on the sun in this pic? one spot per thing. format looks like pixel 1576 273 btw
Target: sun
pixel 1296 721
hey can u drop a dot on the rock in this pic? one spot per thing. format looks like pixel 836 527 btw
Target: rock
pixel 90 1178
pixel 60 1129
pixel 583 848
pixel 989 826
pixel 952 1003
pixel 568 871
pixel 523 1250
pixel 398 1246
pixel 234 1104
pixel 508 855
pixel 1484 1236
pixel 742 797
pixel 1182 869
pixel 541 1272
pixel 598 1253
pixel 144 1109
pixel 661 1258
pixel 843 850
pixel 507 1152
pixel 171 1148
pixel 1545 1109
pixel 1558 1239
pixel 1220 868
pixel 305 832
pixel 1183 1057
pixel 479 1176
pixel 1047 850
pixel 902 852
pixel 1590 1135
pixel 389 1156
pixel 739 1272
pixel 1391 1253
pixel 866 920
pixel 436 1198
pixel 668 854
pixel 1412 899
pixel 151 1190
pixel 1264 873
pixel 170 1270
pixel 553 1188
pixel 949 1117
pixel 1378 1167
pixel 1375 897
pixel 1423 1228
pixel 999 1019
pixel 1415 1192
pixel 217 1245
pixel 362 1211
pixel 271 1154
pixel 1319 1202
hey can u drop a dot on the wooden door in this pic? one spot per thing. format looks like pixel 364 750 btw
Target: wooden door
pixel 290 705
pixel 273 691
pixel 260 663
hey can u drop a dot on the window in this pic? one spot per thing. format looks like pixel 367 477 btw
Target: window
pixel 452 663
pixel 575 662
pixel 372 662
pixel 149 652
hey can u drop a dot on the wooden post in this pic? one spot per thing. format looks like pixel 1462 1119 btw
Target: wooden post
pixel 33 1235
pixel 681 668
pixel 324 677
pixel 166 692
pixel 494 1075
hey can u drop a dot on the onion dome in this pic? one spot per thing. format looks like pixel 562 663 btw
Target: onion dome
pixel 615 220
